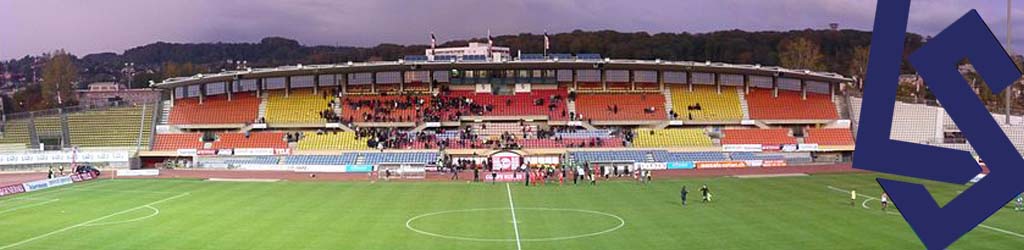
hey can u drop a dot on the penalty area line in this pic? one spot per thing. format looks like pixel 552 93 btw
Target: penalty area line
pixel 91 221
pixel 43 202
pixel 994 229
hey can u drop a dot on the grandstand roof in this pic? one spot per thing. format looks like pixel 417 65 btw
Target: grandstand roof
pixel 401 65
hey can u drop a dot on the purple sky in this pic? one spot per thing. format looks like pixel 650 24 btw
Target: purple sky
pixel 90 26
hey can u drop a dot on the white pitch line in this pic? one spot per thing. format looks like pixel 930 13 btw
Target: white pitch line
pixel 90 222
pixel 515 223
pixel 1001 230
pixel 119 191
pixel 29 205
pixel 994 229
pixel 151 208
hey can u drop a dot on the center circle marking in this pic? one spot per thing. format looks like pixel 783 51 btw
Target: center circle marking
pixel 408 224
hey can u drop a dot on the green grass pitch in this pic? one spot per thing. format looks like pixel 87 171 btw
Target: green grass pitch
pixel 766 213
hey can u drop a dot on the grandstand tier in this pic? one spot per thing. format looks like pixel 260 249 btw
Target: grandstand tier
pixel 758 136
pixel 790 106
pixel 343 159
pixel 704 103
pixel 619 107
pixel 829 136
pixel 299 106
pixel 16 132
pixel 113 127
pixel 250 140
pixel 549 103
pixel 396 157
pixel 243 108
pixel 648 138
pixel 383 108
pixel 178 141
pixel 333 140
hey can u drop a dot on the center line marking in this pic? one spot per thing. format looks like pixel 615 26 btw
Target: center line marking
pixel 515 223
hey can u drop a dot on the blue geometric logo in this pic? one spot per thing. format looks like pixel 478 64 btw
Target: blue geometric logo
pixel 969 37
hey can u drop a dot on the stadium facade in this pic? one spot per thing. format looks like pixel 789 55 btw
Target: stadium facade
pixel 533 109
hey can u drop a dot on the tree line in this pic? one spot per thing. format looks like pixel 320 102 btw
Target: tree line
pixel 840 51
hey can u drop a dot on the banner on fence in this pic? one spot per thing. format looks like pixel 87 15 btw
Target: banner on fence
pixel 11 190
pixel 741 147
pixel 721 164
pixel 774 163
pixel 82 177
pixel 59 157
pixel 680 165
pixel 358 168
pixel 138 172
pixel 44 184
pixel 651 165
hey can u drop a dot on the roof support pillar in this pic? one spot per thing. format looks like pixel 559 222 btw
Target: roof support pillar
pixel 316 83
pixel 775 86
pixel 661 80
pixel 344 83
pixel 689 80
pixel 401 81
pixel 373 83
pixel 575 84
pixel 604 81
pixel 632 80
pixel 229 88
pixel 746 84
pixel 287 85
pixel 718 82
pixel 430 81
pixel 259 87
pixel 832 89
pixel 803 89
pixel 202 92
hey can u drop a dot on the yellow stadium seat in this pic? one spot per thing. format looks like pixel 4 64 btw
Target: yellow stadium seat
pixel 713 106
pixel 331 141
pixel 113 127
pixel 300 106
pixel 661 138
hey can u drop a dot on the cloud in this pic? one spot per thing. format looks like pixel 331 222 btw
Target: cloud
pixel 115 25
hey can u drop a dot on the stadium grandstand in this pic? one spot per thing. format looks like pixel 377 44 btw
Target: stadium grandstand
pixel 424 119
pixel 558 107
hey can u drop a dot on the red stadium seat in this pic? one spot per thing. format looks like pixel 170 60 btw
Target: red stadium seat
pixel 358 113
pixel 789 106
pixel 215 110
pixel 255 140
pixel 829 136
pixel 521 104
pixel 178 141
pixel 631 106
pixel 778 136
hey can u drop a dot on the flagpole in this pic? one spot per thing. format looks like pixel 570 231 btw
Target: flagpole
pixel 1009 46
pixel 547 44
pixel 490 44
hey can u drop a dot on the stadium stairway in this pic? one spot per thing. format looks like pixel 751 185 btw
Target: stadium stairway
pixel 668 102
pixel 361 159
pixel 743 103
pixel 264 98
pixel 842 107
pixel 165 111
pixel 64 131
pixel 33 135
pixel 570 106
